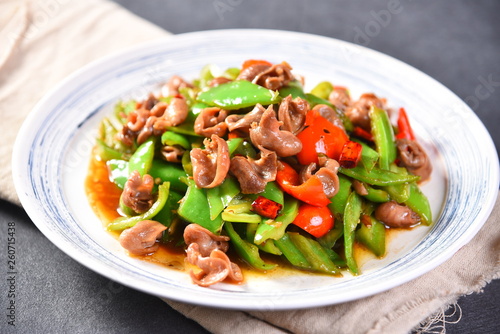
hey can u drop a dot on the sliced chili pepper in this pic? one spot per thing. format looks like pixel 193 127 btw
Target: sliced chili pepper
pixel 404 127
pixel 362 133
pixel 350 155
pixel 320 137
pixel 252 62
pixel 315 221
pixel 266 208
pixel 310 191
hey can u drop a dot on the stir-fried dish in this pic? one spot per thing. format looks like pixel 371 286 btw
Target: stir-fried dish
pixel 245 160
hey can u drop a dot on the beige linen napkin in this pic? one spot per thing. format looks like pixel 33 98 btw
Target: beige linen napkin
pixel 43 41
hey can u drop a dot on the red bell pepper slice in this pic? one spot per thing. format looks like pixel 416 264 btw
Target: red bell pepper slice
pixel 315 221
pixel 266 207
pixel 251 62
pixel 404 127
pixel 351 153
pixel 320 137
pixel 310 191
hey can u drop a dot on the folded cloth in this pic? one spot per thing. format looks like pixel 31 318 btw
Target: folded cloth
pixel 43 41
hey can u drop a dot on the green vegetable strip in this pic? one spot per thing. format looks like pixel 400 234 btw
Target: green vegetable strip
pixel 275 229
pixel 247 251
pixel 118 171
pixel 167 214
pixel 107 153
pixel 294 88
pixel 122 223
pixel 142 159
pixel 272 191
pixel 383 135
pixel 419 203
pixel 171 138
pixel 314 253
pixel 399 192
pixel 351 219
pixel 238 94
pixel 377 176
pixel 331 237
pixel 369 157
pixel 322 90
pixel 292 253
pixel 168 172
pixel 220 197
pixel 338 202
pixel 194 208
pixel 373 237
pixel 376 195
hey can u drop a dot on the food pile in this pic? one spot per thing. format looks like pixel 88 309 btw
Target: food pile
pixel 245 159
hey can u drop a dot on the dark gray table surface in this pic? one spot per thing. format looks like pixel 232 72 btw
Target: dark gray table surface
pixel 457 43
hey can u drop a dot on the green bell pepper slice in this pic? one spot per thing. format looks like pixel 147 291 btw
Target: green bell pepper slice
pixel 238 94
pixel 275 229
pixel 291 252
pixel 351 220
pixel 171 138
pixel 122 223
pixel 118 171
pixel 194 208
pixel 219 197
pixel 419 203
pixel 322 90
pixel 317 257
pixel 293 88
pixel 398 192
pixel 339 201
pixel 383 136
pixel 376 195
pixel 168 172
pixel 142 159
pixel 247 251
pixel 167 214
pixel 372 236
pixel 369 157
pixel 377 176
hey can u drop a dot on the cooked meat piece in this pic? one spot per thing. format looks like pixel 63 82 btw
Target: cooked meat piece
pixel 253 175
pixel 252 71
pixel 396 215
pixel 293 114
pixel 141 238
pixel 358 112
pixel 175 113
pixel 413 157
pixel 210 165
pixel 243 122
pixel 210 122
pixel 330 114
pixel 340 98
pixel 148 103
pixel 268 135
pixel 137 192
pixel 359 187
pixel 171 88
pixel 206 240
pixel 275 77
pixel 327 174
pixel 172 153
pixel 214 269
pixel 142 123
pixel 218 81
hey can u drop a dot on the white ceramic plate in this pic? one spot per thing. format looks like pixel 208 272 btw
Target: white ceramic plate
pixel 52 152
